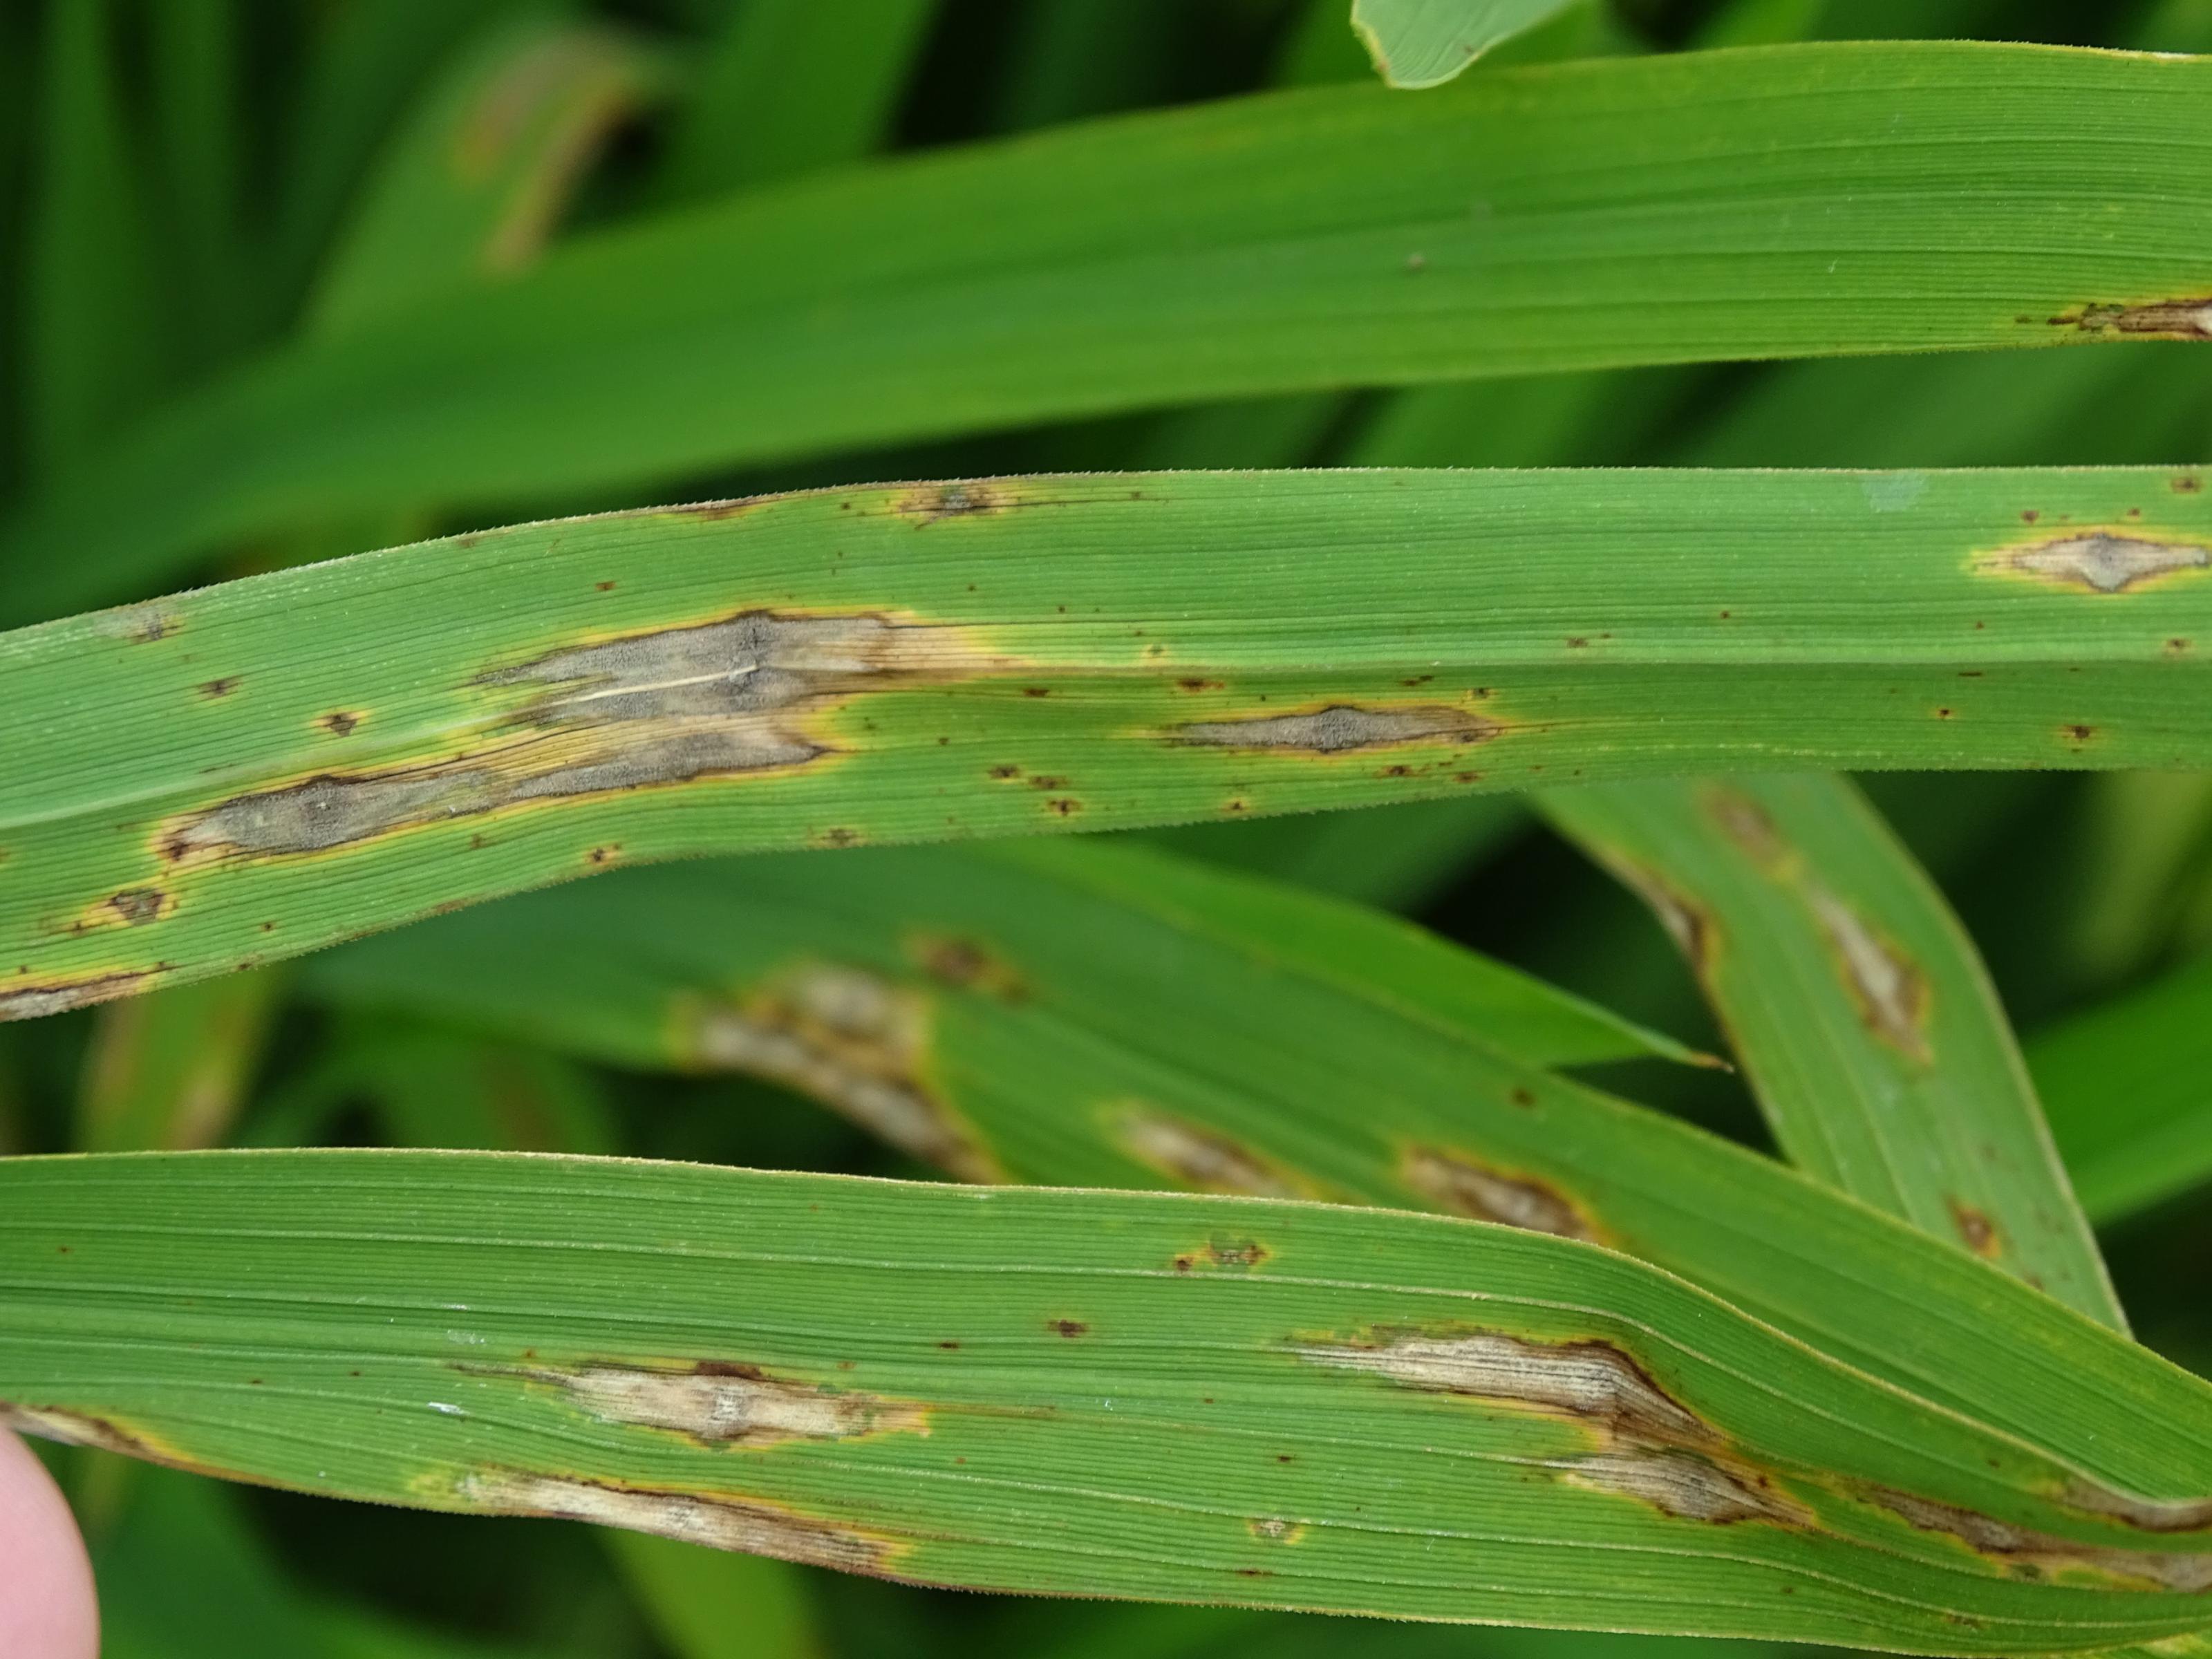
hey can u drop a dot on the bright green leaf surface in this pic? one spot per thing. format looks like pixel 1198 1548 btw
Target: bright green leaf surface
pixel 1426 43
pixel 1120 1393
pixel 1812 204
pixel 1857 1004
pixel 261 767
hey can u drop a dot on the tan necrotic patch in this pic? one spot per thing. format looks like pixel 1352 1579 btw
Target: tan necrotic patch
pixel 855 1041
pixel 1889 988
pixel 1341 728
pixel 2001 1542
pixel 1463 1185
pixel 1591 1382
pixel 2102 560
pixel 717 1520
pixel 1196 1158
pixel 35 999
pixel 1687 1485
pixel 670 707
pixel 732 1403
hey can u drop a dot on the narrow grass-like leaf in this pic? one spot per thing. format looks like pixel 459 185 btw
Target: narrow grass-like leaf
pixel 1154 1395
pixel 1812 203
pixel 93 348
pixel 1857 1005
pixel 427 1086
pixel 705 1604
pixel 363 67
pixel 273 764
pixel 2126 1084
pixel 1397 857
pixel 2146 842
pixel 1426 43
pixel 183 1576
pixel 472 187
pixel 193 52
pixel 1072 1014
pixel 171 1071
pixel 792 86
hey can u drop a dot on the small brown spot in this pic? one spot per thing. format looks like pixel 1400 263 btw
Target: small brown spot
pixel 601 854
pixel 1044 781
pixel 1576 642
pixel 1036 690
pixel 1002 773
pixel 2188 483
pixel 1522 1098
pixel 136 904
pixel 1338 728
pixel 339 724
pixel 948 1343
pixel 1068 1327
pixel 838 834
pixel 965 964
pixel 604 587
pixel 2177 648
pixel 2081 733
pixel 1980 1232
pixel 1066 805
pixel 1198 685
pixel 2029 516
pixel 1463 1185
pixel 218 687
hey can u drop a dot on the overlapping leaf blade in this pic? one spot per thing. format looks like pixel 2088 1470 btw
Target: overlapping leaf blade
pixel 1812 204
pixel 1017 1390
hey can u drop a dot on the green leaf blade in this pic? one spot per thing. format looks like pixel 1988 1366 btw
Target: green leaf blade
pixel 448 722
pixel 1105 1422
pixel 1856 1003
pixel 1815 207
pixel 1416 44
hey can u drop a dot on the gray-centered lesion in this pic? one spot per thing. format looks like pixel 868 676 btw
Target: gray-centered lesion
pixel 2106 563
pixel 1341 728
pixel 661 708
